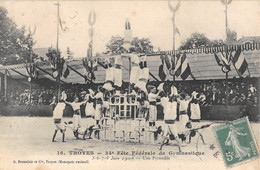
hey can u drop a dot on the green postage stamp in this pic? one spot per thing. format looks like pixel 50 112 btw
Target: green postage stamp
pixel 236 142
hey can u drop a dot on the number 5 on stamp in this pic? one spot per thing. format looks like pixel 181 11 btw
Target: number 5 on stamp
pixel 236 141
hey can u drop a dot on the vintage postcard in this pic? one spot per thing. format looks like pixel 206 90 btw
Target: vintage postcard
pixel 152 84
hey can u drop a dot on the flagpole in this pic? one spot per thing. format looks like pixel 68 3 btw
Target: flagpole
pixel 173 10
pixel 226 2
pixel 173 44
pixel 58 53
pixel 31 58
pixel 58 10
pixel 91 64
pixel 91 22
pixel 30 75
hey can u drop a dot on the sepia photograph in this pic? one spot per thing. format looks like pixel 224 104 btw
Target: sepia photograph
pixel 134 85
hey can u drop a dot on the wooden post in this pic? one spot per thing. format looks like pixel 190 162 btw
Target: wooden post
pixel 173 10
pixel 1 86
pixel 30 74
pixel 173 63
pixel 5 85
pixel 130 66
pixel 58 53
pixel 227 95
pixel 226 2
pixel 58 78
pixel 91 22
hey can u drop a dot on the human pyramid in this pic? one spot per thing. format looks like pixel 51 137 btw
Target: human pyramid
pixel 132 115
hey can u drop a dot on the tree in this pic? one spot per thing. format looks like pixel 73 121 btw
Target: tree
pixel 116 45
pixel 197 40
pixel 14 44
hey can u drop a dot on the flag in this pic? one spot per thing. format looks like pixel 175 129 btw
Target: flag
pixel 35 72
pixel 165 66
pixel 240 62
pixel 178 66
pixel 65 70
pixel 94 65
pixel 161 73
pixel 185 68
pixel 223 61
pixel 52 57
pixel 217 60
pixel 89 65
pixel 177 30
pixel 86 65
pixel 166 61
pixel 32 71
pixel 60 23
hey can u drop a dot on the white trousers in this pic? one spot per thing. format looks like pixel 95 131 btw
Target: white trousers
pixel 183 121
pixel 76 121
pixel 118 77
pixel 98 112
pixel 152 113
pixel 134 75
pixel 195 111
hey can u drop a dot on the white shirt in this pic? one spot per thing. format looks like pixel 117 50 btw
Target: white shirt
pixel 164 101
pixel 118 60
pixel 169 109
pixel 76 106
pixel 170 112
pixel 109 74
pixel 134 58
pixel 58 110
pixel 174 91
pixel 184 105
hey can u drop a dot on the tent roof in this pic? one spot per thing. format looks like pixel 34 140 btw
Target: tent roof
pixel 203 67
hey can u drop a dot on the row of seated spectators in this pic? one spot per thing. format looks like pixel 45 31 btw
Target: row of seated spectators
pixel 37 97
pixel 240 92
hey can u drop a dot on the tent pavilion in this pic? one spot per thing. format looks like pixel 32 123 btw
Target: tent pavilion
pixel 202 63
pixel 203 67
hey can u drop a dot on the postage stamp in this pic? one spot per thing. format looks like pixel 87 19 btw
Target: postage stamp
pixel 236 142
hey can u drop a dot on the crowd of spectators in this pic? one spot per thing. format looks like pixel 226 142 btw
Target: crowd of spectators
pixel 240 92
pixel 37 97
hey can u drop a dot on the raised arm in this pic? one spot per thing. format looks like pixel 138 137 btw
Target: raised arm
pixel 69 103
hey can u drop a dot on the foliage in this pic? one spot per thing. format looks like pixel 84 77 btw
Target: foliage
pixel 197 40
pixel 14 44
pixel 139 45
